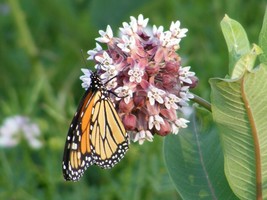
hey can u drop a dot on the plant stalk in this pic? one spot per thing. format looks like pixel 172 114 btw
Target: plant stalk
pixel 202 102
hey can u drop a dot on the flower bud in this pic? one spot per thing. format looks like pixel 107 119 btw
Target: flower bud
pixel 168 80
pixel 139 101
pixel 169 114
pixel 129 121
pixel 126 108
pixel 194 83
pixel 159 55
pixel 165 129
pixel 142 121
pixel 152 68
pixel 172 67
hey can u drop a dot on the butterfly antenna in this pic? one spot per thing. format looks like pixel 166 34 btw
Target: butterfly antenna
pixel 84 59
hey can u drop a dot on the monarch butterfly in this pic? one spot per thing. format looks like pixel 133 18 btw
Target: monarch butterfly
pixel 96 134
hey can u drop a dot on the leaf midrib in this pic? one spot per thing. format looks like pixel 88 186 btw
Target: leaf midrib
pixel 255 139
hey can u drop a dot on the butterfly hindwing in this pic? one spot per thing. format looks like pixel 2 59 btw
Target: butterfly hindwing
pixel 110 139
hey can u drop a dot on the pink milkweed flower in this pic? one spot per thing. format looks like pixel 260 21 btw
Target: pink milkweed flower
pixel 142 136
pixel 136 74
pixel 93 52
pixel 106 36
pixel 177 31
pixel 143 72
pixel 155 95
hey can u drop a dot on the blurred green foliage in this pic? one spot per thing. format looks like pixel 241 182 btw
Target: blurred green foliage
pixel 40 61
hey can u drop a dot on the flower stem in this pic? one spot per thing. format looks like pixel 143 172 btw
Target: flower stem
pixel 202 102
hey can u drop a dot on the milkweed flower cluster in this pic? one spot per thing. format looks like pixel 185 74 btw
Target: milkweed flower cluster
pixel 143 70
pixel 19 127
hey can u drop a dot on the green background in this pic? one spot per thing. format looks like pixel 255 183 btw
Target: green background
pixel 40 61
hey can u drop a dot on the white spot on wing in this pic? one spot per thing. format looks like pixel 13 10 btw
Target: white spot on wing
pixel 82 114
pixel 79 155
pixel 74 146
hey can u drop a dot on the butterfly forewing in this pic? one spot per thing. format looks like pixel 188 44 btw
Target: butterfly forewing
pixel 77 153
pixel 96 134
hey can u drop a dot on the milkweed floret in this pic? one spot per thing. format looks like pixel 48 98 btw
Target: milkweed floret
pixel 147 74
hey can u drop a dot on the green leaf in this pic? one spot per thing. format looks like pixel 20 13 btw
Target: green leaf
pixel 194 160
pixel 263 39
pixel 239 108
pixel 246 62
pixel 236 40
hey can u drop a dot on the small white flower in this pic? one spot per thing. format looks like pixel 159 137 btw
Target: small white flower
pixel 31 131
pixel 111 71
pixel 185 94
pixel 179 123
pixel 177 31
pixel 157 32
pixel 155 94
pixel 141 22
pixel 171 101
pixel 142 136
pixel 106 64
pixel 9 136
pixel 127 44
pixel 112 84
pixel 175 129
pixel 126 29
pixel 155 120
pixel 93 52
pixel 8 141
pixel 124 92
pixel 167 40
pixel 17 127
pixel 105 60
pixel 174 42
pixel 136 74
pixel 106 37
pixel 86 78
pixel 185 74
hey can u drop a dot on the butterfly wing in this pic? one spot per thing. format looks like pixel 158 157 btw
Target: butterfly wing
pixel 96 136
pixel 108 136
pixel 77 155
